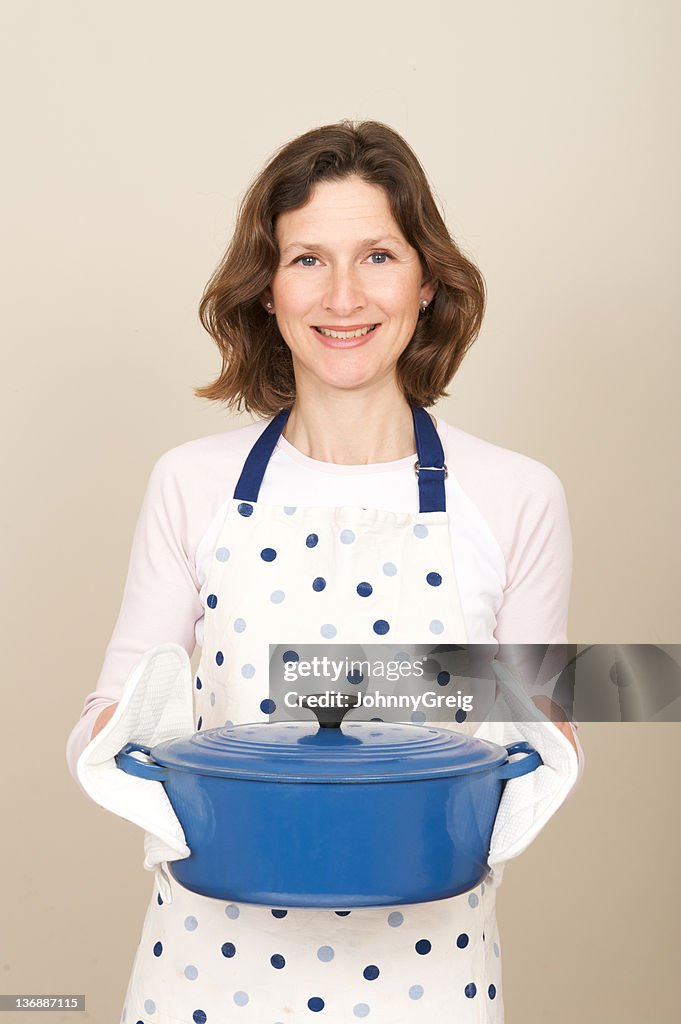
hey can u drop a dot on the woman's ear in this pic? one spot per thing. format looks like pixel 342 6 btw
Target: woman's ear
pixel 428 290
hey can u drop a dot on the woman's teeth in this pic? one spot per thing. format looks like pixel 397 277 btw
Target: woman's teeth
pixel 346 334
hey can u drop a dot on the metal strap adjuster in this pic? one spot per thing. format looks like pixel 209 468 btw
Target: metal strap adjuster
pixel 442 469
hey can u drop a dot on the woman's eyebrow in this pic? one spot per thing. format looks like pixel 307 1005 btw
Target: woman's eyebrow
pixel 360 245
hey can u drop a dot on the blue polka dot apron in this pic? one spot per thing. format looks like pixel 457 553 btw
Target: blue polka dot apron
pixel 309 575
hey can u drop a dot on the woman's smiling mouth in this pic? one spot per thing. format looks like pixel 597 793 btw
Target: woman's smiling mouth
pixel 345 339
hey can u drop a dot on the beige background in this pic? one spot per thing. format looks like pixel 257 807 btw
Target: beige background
pixel 131 130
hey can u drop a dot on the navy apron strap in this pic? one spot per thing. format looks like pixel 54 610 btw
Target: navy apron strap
pixel 248 484
pixel 430 468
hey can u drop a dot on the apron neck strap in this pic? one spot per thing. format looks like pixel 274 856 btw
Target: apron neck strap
pixel 430 467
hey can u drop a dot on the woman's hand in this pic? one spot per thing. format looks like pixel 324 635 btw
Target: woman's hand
pixel 102 719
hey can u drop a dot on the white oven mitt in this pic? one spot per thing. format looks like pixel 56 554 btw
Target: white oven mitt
pixel 156 705
pixel 528 802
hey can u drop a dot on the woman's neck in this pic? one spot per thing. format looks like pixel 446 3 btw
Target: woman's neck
pixel 352 429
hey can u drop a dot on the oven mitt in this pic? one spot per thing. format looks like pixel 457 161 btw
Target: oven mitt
pixel 528 802
pixel 156 705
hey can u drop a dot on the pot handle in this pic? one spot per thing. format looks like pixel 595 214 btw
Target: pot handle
pixel 514 769
pixel 141 769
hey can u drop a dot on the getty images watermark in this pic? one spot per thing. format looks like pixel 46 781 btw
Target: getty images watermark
pixel 479 682
pixel 328 671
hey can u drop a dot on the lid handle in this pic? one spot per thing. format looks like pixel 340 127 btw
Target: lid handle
pixel 331 716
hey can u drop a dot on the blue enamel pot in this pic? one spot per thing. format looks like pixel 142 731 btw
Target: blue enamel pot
pixel 336 814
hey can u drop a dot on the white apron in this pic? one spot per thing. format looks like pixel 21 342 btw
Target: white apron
pixel 286 575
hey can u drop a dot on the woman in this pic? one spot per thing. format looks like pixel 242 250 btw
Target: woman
pixel 341 310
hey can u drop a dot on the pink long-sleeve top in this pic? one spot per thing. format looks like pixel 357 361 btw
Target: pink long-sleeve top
pixel 508 520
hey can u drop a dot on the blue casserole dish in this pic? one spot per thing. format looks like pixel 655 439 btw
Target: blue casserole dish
pixel 336 814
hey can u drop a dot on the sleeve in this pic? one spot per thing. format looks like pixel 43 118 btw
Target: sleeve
pixel 160 604
pixel 534 609
pixel 539 573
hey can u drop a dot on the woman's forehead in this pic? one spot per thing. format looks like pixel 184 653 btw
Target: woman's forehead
pixel 351 209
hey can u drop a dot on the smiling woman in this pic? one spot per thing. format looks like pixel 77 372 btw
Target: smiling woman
pixel 342 310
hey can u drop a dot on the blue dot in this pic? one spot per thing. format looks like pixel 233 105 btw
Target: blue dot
pixel 462 940
pixel 473 900
pixel 212 600
pixel 355 677
pixel 460 715
pixel 232 911
pixel 222 554
pixel 277 596
pixel 278 961
pixel 228 949
pixel 390 569
pixel 191 924
pixel 395 919
pixel 491 991
pixel 267 706
pixel 347 536
pixel 159 900
pixel 342 913
pixel 381 627
pixel 443 678
pixel 423 946
pixel 371 972
pixel 244 509
pixel 434 579
pixel 219 658
pixel 191 972
pixel 364 589
pixel 150 1006
pixel 290 656
pixel 248 670
pixel 312 540
pixel 318 584
pixel 240 998
pixel 268 554
pixel 325 954
pixel 328 630
pixel 158 948
pixel 420 530
pixel 436 626
pixel 239 625
pixel 470 990
pixel 361 1010
pixel 289 509
pixel 416 991
pixel 496 949
pixel 199 1017
pixel 315 1004
pixel 199 684
pixel 199 724
pixel 279 913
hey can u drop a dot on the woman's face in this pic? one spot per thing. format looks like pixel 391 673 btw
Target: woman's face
pixel 344 264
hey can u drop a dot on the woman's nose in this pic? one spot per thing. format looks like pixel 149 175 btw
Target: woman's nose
pixel 344 292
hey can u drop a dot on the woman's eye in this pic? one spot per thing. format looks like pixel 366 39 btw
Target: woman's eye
pixel 387 254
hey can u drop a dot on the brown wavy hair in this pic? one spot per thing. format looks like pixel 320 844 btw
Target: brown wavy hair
pixel 257 368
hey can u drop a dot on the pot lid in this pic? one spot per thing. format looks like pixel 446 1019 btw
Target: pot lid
pixel 329 751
